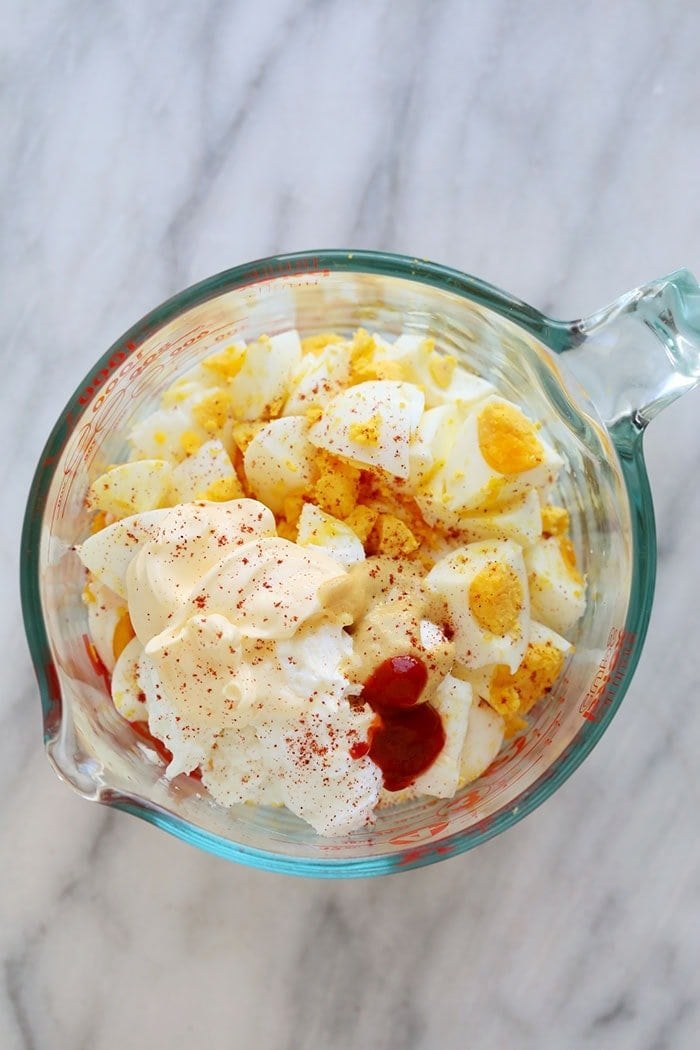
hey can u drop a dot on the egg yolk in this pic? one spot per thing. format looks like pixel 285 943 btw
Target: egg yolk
pixel 536 675
pixel 496 598
pixel 212 411
pixel 314 344
pixel 123 633
pixel 366 433
pixel 508 439
pixel 227 363
pixel 335 490
pixel 221 490
pixel 555 521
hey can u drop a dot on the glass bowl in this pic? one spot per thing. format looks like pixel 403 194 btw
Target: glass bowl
pixel 594 383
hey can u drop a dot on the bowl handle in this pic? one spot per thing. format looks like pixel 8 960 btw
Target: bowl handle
pixel 641 352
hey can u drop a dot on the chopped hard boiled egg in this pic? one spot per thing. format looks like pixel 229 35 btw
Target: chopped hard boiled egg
pixel 106 612
pixel 482 743
pixel 515 694
pixel 520 521
pixel 260 387
pixel 319 376
pixel 485 589
pixel 169 433
pixel 323 530
pixel 209 474
pixel 108 553
pixel 452 700
pixel 127 695
pixel 490 458
pixel 557 588
pixel 372 424
pixel 279 461
pixel 436 373
pixel 132 488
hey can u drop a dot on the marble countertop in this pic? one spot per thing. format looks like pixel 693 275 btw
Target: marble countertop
pixel 554 150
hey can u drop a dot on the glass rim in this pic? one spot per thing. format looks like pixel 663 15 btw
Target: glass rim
pixel 557 336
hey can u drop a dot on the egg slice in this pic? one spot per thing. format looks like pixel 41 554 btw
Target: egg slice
pixel 316 528
pixel 319 377
pixel 261 386
pixel 108 553
pixel 279 461
pixel 208 474
pixel 557 588
pixel 441 377
pixel 372 424
pixel 482 742
pixel 520 521
pixel 131 488
pixel 493 456
pixel 127 695
pixel 484 586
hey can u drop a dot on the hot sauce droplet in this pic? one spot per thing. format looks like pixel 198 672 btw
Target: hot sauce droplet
pixel 407 736
pixel 398 682
pixel 406 744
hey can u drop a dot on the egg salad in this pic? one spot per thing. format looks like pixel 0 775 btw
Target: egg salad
pixel 330 574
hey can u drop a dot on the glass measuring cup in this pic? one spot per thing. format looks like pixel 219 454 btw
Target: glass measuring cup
pixel 595 384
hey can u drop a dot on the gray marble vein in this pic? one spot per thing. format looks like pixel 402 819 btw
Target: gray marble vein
pixel 553 149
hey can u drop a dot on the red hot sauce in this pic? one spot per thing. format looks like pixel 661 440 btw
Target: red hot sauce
pixel 407 736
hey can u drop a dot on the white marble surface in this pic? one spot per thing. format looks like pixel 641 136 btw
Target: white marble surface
pixel 551 148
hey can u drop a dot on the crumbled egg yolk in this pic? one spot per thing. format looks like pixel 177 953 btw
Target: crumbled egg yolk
pixel 99 522
pixel 363 365
pixel 191 442
pixel 361 521
pixel 508 439
pixel 227 363
pixel 555 521
pixel 391 537
pixel 519 692
pixel 212 412
pixel 336 487
pixel 313 414
pixel 314 344
pixel 496 598
pixel 288 521
pixel 366 433
pixel 221 490
pixel 243 434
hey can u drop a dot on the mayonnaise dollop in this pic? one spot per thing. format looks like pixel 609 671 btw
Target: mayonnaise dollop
pixel 239 645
